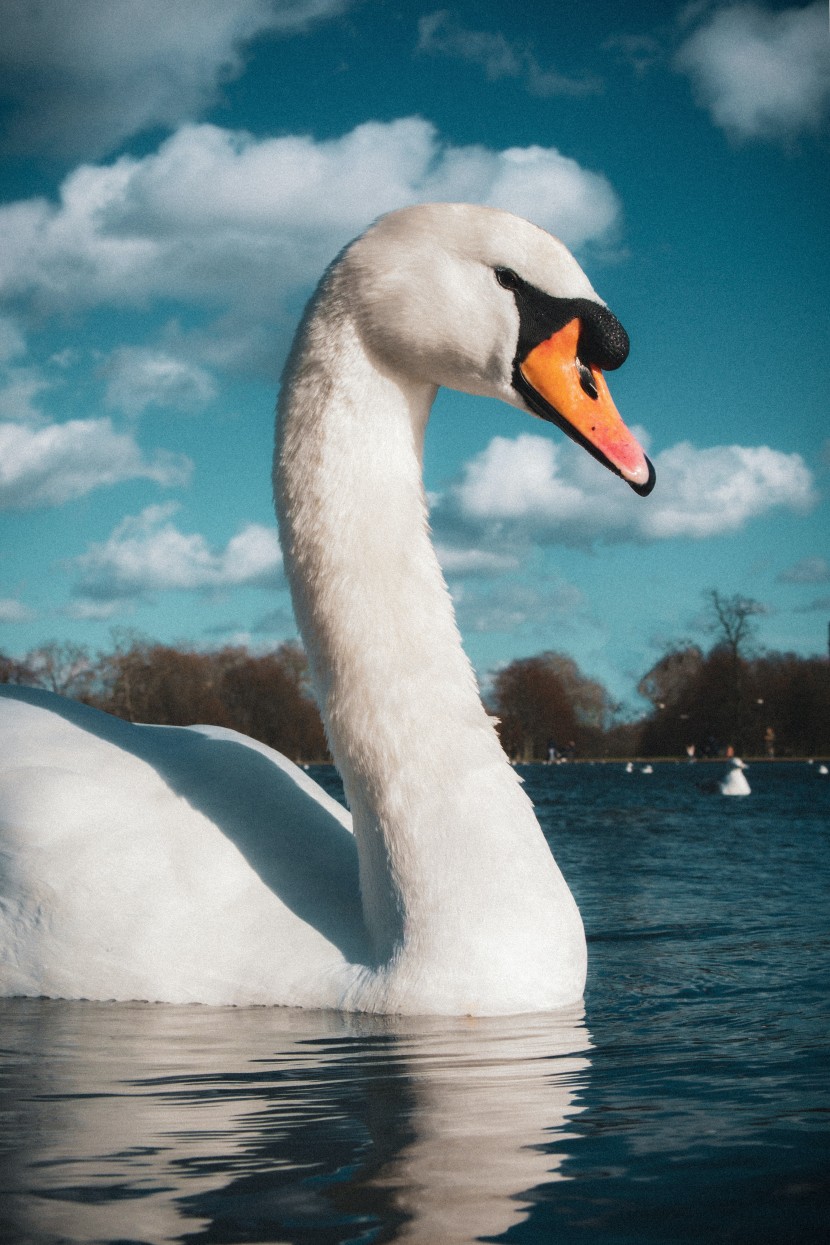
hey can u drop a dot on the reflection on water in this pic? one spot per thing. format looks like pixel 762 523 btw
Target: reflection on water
pixel 698 1109
pixel 157 1123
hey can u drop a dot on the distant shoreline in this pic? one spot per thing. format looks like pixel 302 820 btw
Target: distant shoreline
pixel 748 758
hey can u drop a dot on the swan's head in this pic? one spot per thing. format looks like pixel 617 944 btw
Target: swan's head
pixel 479 300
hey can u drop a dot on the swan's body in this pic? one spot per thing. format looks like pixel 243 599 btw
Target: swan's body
pixel 734 781
pixel 460 906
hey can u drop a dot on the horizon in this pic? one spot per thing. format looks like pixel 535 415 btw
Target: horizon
pixel 177 178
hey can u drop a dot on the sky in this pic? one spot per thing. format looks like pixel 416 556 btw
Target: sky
pixel 177 175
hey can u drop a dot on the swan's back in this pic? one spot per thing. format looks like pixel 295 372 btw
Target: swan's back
pixel 185 865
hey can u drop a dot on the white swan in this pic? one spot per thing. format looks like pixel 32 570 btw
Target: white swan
pixel 734 782
pixel 197 865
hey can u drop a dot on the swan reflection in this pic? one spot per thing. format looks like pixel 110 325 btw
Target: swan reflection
pixel 163 1124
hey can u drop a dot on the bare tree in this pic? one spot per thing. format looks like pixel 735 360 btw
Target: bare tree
pixel 14 671
pixel 731 620
pixel 62 667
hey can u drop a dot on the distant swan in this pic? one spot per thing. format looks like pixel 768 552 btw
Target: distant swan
pixel 196 865
pixel 734 781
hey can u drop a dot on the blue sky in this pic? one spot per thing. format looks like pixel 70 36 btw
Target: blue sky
pixel 177 175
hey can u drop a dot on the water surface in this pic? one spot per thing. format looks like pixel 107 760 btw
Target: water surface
pixel 688 1101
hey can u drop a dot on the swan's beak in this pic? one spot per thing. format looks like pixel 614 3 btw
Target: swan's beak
pixel 557 385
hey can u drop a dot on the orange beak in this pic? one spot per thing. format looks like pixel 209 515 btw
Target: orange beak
pixel 574 396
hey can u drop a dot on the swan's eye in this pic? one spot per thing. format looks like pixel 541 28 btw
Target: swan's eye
pixel 508 278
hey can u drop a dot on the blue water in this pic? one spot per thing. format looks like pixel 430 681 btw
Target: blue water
pixel 687 1102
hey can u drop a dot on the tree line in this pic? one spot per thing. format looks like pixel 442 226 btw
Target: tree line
pixel 264 696
pixel 760 704
pixel 703 703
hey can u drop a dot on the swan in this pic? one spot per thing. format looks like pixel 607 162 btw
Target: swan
pixel 734 782
pixel 195 865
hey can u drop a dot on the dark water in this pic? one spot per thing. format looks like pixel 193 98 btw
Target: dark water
pixel 689 1101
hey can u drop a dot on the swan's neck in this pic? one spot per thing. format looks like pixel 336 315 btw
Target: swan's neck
pixel 437 808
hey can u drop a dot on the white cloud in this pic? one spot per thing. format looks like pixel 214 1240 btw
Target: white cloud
pixel 252 557
pixel 12 611
pixel 535 489
pixel 440 34
pixel 19 389
pixel 20 385
pixel 85 74
pixel 138 378
pixel 458 562
pixel 47 466
pixel 92 611
pixel 240 225
pixel 147 554
pixel 761 73
pixel 716 490
pixel 514 479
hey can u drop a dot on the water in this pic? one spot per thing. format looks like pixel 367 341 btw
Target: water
pixel 687 1102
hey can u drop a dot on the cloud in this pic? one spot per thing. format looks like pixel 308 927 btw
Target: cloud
pixel 47 466
pixel 462 563
pixel 12 611
pixel 807 571
pixel 138 378
pixel 510 605
pixel 147 554
pixel 19 389
pixel 82 75
pixel 92 611
pixel 535 489
pixel 762 74
pixel 439 34
pixel 20 384
pixel 712 491
pixel 240 226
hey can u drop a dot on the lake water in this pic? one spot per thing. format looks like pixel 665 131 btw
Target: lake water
pixel 688 1101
